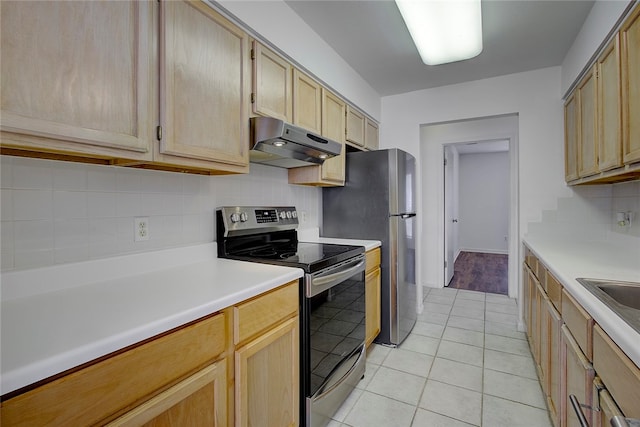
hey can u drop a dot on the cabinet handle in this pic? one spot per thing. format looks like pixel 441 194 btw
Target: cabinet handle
pixel 576 407
pixel 620 421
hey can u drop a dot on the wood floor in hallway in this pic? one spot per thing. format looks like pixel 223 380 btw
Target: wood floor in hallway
pixel 484 272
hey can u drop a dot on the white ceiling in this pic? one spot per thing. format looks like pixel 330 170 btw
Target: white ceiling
pixel 518 35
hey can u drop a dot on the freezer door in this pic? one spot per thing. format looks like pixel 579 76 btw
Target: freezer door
pixel 402 177
pixel 402 297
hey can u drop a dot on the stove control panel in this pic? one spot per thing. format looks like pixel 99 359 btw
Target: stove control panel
pixel 243 218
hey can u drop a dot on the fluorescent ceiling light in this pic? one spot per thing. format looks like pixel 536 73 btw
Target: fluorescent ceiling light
pixel 444 30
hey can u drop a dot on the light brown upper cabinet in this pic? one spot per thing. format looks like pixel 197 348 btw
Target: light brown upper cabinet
pixel 204 94
pixel 307 102
pixel 355 127
pixel 609 118
pixel 371 141
pixel 587 126
pixel 333 125
pixel 271 84
pixel 571 139
pixel 75 77
pixel 601 129
pixel 630 60
pixel 332 171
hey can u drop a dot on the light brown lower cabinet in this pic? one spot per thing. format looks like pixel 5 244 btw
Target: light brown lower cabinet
pixel 577 379
pixel 267 363
pixel 570 349
pixel 199 400
pixel 101 392
pixel 550 333
pixel 372 295
pixel 267 378
pixel 618 373
pixel 555 366
pixel 185 377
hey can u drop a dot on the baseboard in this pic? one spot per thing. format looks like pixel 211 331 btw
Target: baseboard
pixel 486 251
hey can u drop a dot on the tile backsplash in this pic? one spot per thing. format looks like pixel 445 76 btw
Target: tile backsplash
pixel 591 212
pixel 55 212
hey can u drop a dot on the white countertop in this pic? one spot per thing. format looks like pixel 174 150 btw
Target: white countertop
pixel 312 235
pixel 569 259
pixel 59 317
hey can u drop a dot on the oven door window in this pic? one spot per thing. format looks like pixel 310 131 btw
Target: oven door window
pixel 337 328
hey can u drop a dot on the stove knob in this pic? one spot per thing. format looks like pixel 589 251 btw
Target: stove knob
pixel 294 214
pixel 289 214
pixel 235 217
pixel 244 217
pixel 283 214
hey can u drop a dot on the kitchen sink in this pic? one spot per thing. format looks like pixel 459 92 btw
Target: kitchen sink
pixel 621 297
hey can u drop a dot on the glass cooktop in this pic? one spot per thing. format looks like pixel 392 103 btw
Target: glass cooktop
pixel 309 256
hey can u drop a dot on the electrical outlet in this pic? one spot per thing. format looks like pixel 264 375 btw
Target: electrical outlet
pixel 141 229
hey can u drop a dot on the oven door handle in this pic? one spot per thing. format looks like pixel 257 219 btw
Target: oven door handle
pixel 319 284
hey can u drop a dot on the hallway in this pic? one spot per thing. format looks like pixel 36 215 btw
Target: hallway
pixel 484 272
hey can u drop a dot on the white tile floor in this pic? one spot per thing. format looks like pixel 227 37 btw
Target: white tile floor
pixel 463 364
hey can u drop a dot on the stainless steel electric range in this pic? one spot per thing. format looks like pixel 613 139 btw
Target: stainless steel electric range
pixel 332 304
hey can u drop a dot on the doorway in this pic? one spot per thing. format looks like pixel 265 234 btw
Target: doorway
pixel 476 215
pixel 434 138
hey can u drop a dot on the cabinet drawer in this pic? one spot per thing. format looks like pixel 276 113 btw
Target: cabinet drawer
pixel 580 323
pixel 113 385
pixel 372 259
pixel 264 311
pixel 554 291
pixel 618 373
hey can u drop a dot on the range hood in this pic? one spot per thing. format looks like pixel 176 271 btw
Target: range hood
pixel 277 143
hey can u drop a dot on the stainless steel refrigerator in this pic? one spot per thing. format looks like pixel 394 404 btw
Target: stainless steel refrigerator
pixel 377 202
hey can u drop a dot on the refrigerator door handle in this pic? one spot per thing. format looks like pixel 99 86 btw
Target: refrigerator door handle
pixel 404 215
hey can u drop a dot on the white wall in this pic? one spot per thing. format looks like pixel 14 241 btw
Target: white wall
pixel 276 22
pixel 58 212
pixel 533 96
pixel 590 213
pixel 484 202
pixel 601 20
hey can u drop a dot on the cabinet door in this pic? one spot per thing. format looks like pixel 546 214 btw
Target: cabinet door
pixel 307 102
pixel 525 297
pixel 609 116
pixel 571 139
pixel 545 340
pixel 267 378
pixel 536 322
pixel 372 305
pixel 576 380
pixel 630 62
pixel 271 84
pixel 533 311
pixel 355 127
pixel 371 141
pixel 332 171
pixel 79 74
pixel 587 125
pixel 203 85
pixel 199 400
pixel 552 360
pixel 606 405
pixel 333 127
